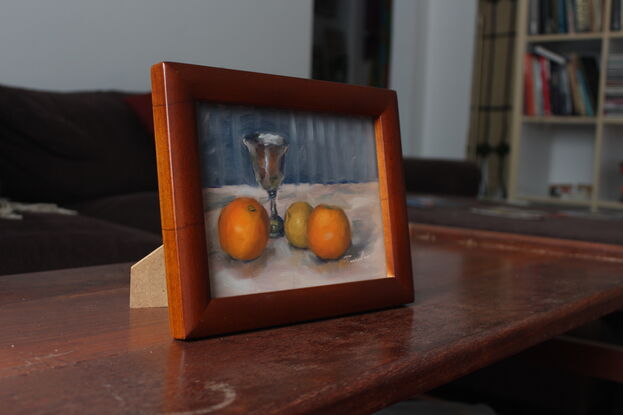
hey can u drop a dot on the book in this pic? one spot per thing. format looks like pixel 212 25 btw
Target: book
pixel 554 23
pixel 582 15
pixel 552 56
pixel 545 81
pixel 615 20
pixel 555 84
pixel 570 10
pixel 545 13
pixel 578 103
pixel 554 89
pixel 591 15
pixel 533 17
pixel 538 85
pixel 590 70
pixel 565 16
pixel 584 94
pixel 597 12
pixel 613 103
pixel 566 97
pixel 529 106
pixel 561 14
pixel 570 16
pixel 566 91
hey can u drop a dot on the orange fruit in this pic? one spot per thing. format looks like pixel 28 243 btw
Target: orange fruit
pixel 328 232
pixel 243 228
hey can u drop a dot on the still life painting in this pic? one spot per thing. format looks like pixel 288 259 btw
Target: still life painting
pixel 291 198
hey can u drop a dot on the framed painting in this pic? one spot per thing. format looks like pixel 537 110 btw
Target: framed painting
pixel 282 199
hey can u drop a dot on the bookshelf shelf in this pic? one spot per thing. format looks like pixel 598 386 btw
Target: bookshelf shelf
pixel 561 119
pixel 609 204
pixel 563 37
pixel 566 149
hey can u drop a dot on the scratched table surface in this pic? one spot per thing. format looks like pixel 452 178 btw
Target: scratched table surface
pixel 70 344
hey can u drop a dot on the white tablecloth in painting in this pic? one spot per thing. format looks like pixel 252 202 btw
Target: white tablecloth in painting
pixel 283 267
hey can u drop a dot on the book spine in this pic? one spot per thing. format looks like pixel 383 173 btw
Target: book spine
pixel 529 107
pixel 533 20
pixel 546 53
pixel 581 14
pixel 538 86
pixel 578 106
pixel 543 7
pixel 546 16
pixel 565 91
pixel 599 13
pixel 586 102
pixel 554 88
pixel 569 8
pixel 545 80
pixel 555 28
pixel 553 16
pixel 591 15
pixel 584 90
pixel 562 17
pixel 615 21
pixel 590 69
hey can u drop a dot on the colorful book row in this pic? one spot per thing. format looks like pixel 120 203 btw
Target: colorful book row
pixel 565 16
pixel 557 85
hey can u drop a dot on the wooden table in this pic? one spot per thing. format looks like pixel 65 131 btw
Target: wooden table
pixel 69 343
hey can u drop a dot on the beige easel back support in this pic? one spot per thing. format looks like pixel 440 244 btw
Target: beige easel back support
pixel 148 286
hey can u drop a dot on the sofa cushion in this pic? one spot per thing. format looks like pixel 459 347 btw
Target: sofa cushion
pixel 42 241
pixel 137 210
pixel 62 147
pixel 441 176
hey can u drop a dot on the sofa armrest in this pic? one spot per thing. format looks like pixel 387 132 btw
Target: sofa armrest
pixel 442 177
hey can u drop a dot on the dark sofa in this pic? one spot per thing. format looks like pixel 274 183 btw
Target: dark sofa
pixel 90 152
pixel 94 152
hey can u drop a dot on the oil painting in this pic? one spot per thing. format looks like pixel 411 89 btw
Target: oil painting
pixel 291 198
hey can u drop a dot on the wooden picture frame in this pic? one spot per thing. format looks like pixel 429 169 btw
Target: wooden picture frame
pixel 193 313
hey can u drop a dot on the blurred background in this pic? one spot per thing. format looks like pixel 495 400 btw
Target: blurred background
pixel 486 112
pixel 423 49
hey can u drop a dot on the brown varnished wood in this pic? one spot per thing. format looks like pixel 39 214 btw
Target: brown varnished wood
pixel 391 178
pixel 193 313
pixel 163 159
pixel 70 344
pixel 258 89
pixel 181 203
pixel 515 242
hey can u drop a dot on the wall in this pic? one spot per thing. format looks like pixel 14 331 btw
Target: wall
pixel 431 69
pixel 77 44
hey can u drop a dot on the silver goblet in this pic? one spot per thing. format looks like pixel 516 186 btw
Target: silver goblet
pixel 267 152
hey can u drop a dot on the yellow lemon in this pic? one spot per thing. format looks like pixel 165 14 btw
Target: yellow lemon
pixel 296 223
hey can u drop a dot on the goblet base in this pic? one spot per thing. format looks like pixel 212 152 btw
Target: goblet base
pixel 276 226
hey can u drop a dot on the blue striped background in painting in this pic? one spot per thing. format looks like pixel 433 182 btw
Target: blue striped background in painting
pixel 322 148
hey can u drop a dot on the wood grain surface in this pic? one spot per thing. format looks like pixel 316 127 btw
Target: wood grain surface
pixel 70 344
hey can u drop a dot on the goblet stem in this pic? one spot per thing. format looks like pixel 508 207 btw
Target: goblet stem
pixel 272 196
pixel 276 223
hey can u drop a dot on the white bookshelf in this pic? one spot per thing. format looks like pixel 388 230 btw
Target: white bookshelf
pixel 566 149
